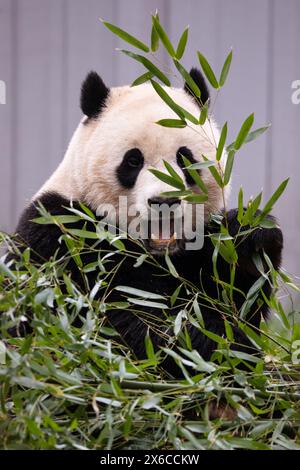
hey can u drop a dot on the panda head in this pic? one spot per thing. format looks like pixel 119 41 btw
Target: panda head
pixel 118 141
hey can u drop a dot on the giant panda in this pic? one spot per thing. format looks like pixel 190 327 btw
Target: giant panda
pixel 116 143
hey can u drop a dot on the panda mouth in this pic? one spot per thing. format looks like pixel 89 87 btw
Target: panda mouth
pixel 163 242
pixel 162 237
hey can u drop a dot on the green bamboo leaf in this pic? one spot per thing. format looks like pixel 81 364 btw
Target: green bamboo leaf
pixel 182 44
pixel 225 69
pixel 6 271
pixel 175 295
pixel 163 36
pixel 273 199
pixel 142 79
pixel 167 179
pixel 255 288
pixel 214 172
pixel 228 167
pixel 256 203
pixel 244 131
pixel 88 212
pixel 170 265
pixel 84 233
pixel 195 175
pixel 167 99
pixel 178 123
pixel 139 293
pixel 149 346
pixel 182 113
pixel 228 330
pixel 154 36
pixel 177 193
pixel 222 141
pixel 147 303
pixel 187 78
pixel 172 172
pixel 203 113
pixel 240 205
pixel 251 136
pixel 57 219
pixel 126 36
pixel 268 223
pixel 208 72
pixel 151 67
pixel 190 117
pixel 197 198
pixel 256 133
pixel 201 165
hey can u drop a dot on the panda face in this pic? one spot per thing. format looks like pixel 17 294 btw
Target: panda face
pixel 119 141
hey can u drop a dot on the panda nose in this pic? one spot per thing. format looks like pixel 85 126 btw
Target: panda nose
pixel 170 201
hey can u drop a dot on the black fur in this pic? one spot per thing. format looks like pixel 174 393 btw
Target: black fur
pixel 128 170
pixel 93 95
pixel 200 81
pixel 196 266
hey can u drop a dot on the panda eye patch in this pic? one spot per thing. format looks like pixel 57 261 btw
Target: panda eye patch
pixel 187 153
pixel 128 170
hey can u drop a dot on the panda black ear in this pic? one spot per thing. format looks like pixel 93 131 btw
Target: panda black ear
pixel 200 81
pixel 93 95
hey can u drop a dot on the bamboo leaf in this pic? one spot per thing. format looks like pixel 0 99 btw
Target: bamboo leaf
pixel 214 172
pixel 147 303
pixel 182 113
pixel 228 167
pixel 244 131
pixel 273 199
pixel 167 99
pixel 84 233
pixel 222 141
pixel 251 136
pixel 197 198
pixel 187 78
pixel 142 79
pixel 172 172
pixel 203 113
pixel 182 44
pixel 190 117
pixel 126 36
pixel 208 72
pixel 139 293
pixel 195 175
pixel 154 36
pixel 240 205
pixel 57 219
pixel 163 36
pixel 167 179
pixel 225 69
pixel 175 123
pixel 149 346
pixel 201 165
pixel 170 265
pixel 256 133
pixel 177 193
pixel 151 67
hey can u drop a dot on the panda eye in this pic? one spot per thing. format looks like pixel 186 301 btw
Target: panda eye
pixel 134 159
pixel 129 169
pixel 187 153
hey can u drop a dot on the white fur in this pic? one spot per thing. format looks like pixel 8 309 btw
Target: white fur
pixel 88 170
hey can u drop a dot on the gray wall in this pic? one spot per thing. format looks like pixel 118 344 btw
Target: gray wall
pixel 47 47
